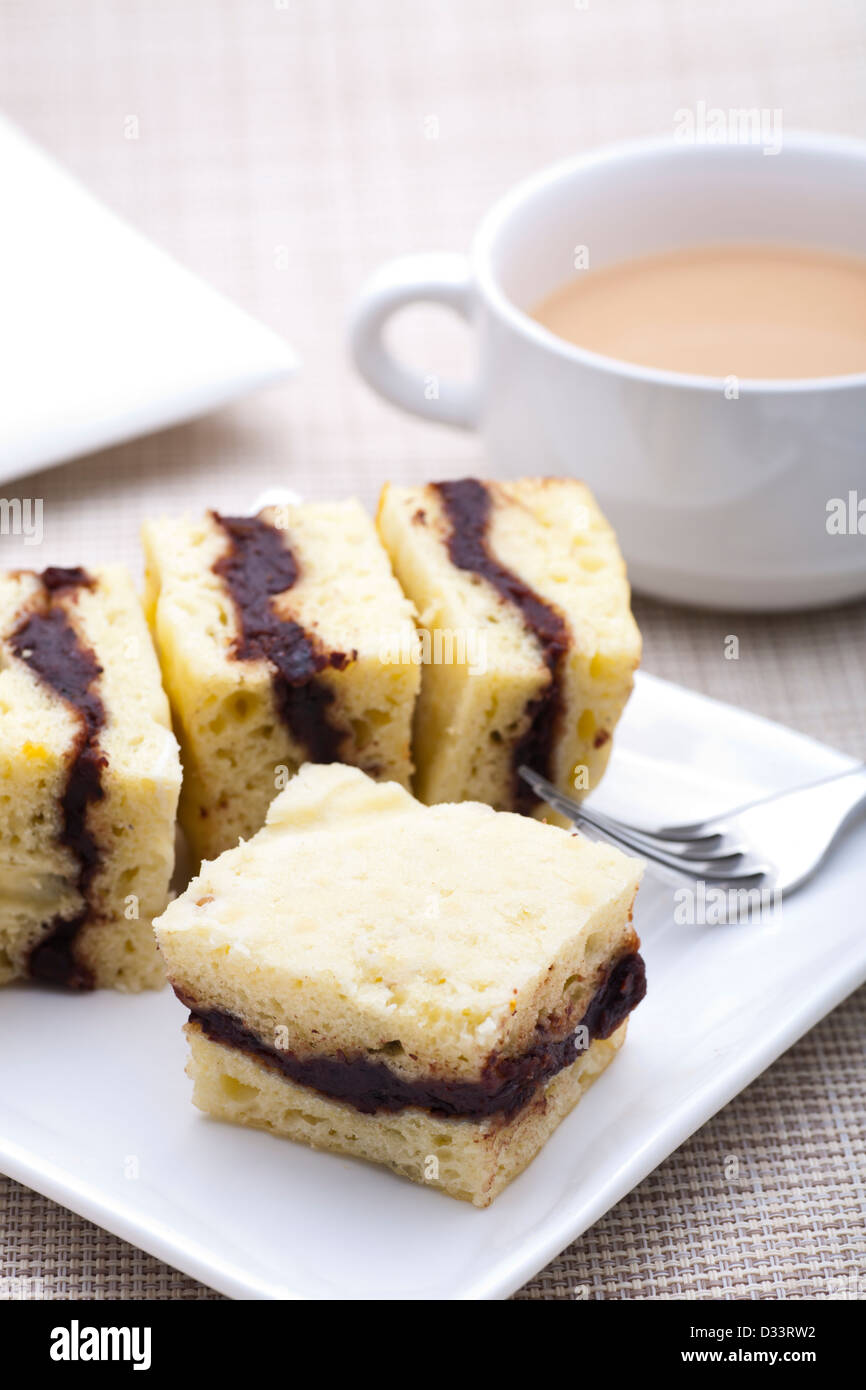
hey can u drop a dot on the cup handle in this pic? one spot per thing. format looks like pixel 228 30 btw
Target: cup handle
pixel 436 278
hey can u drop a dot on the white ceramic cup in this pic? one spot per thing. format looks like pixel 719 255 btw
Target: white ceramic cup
pixel 722 493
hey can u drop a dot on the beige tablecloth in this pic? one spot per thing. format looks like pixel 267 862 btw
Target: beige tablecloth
pixel 284 149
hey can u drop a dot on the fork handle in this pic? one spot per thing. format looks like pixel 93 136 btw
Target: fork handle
pixel 830 804
pixel 844 793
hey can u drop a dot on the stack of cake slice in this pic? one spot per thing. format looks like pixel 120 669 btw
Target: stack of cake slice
pixel 89 782
pixel 284 638
pixel 524 607
pixel 432 988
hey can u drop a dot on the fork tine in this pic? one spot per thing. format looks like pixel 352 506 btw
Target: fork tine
pixel 575 810
pixel 572 811
pixel 546 791
pixel 697 847
pixel 726 848
pixel 731 868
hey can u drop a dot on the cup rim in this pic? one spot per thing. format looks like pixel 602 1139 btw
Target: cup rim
pixel 649 147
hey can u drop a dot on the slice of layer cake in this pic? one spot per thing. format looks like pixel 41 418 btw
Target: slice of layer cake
pixel 530 643
pixel 431 988
pixel 284 638
pixel 89 782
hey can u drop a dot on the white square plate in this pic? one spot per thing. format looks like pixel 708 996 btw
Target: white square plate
pixel 102 335
pixel 95 1108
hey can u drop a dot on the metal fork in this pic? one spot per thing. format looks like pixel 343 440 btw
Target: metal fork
pixel 777 842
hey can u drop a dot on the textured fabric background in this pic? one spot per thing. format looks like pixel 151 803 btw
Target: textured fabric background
pixel 285 148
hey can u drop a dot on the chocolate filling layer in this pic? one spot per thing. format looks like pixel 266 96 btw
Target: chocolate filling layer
pixel 257 567
pixel 506 1085
pixel 467 507
pixel 49 644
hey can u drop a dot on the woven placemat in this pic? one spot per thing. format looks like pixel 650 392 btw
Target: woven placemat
pixel 283 151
